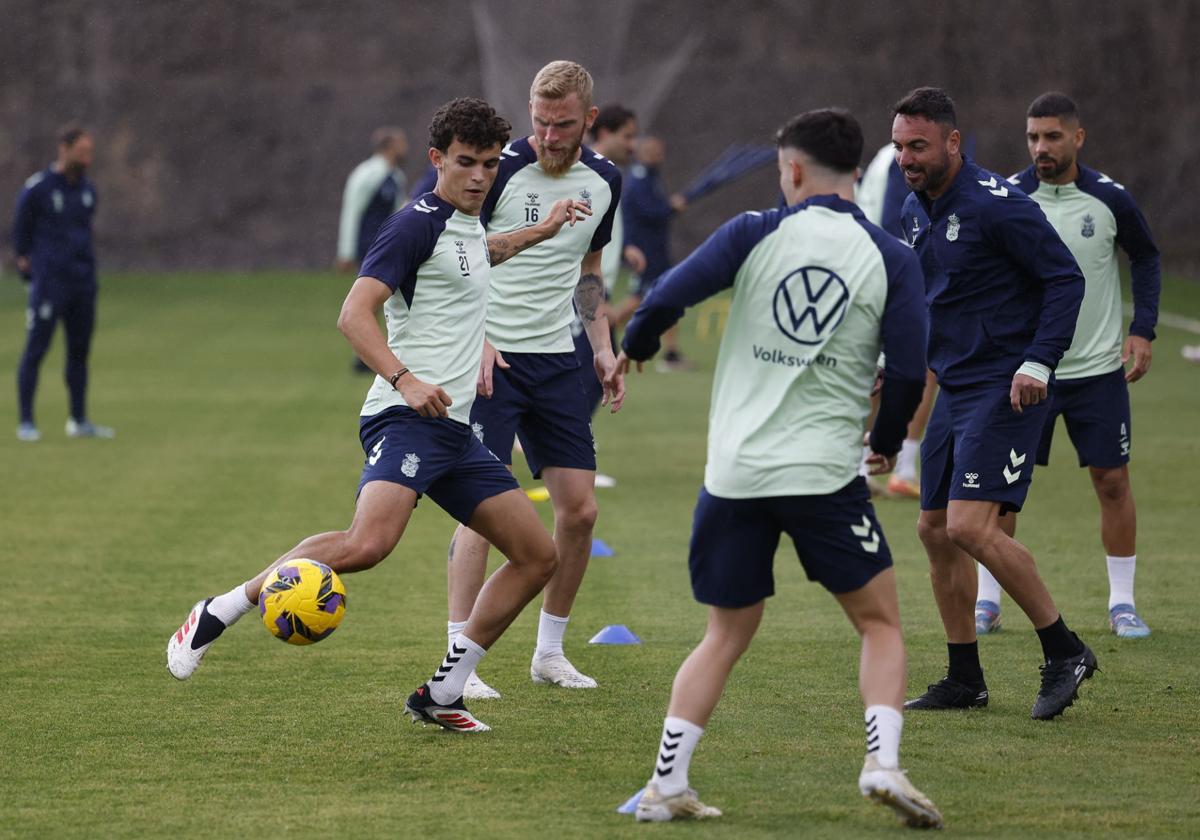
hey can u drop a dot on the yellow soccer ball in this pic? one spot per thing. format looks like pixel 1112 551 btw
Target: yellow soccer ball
pixel 302 602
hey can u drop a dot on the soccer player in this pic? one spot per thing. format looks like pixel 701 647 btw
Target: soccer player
pixel 429 269
pixel 648 212
pixel 1003 294
pixel 52 233
pixel 1094 215
pixel 374 191
pixel 529 382
pixel 817 289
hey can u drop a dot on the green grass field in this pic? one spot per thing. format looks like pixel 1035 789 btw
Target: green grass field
pixel 237 420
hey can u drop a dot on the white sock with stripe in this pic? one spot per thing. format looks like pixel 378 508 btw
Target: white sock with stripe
pixel 1120 579
pixel 446 684
pixel 989 587
pixel 883 735
pixel 679 739
pixel 231 606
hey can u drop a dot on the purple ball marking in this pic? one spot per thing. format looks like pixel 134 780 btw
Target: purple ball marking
pixel 284 626
pixel 288 571
pixel 262 604
pixel 335 601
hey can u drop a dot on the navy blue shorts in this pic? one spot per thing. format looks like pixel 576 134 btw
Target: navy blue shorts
pixel 434 456
pixel 976 448
pixel 1096 412
pixel 541 399
pixel 732 555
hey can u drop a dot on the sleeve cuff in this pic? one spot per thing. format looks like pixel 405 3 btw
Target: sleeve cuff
pixel 1035 370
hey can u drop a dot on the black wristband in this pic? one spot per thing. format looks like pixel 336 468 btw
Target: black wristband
pixel 395 377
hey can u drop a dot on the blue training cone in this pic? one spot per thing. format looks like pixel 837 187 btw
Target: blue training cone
pixel 615 634
pixel 631 803
pixel 601 549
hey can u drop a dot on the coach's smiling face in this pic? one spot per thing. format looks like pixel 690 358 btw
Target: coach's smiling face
pixel 924 151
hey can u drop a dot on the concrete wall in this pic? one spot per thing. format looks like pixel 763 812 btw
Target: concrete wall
pixel 225 129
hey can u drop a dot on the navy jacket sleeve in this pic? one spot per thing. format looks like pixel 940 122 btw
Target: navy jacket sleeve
pixel 706 271
pixel 904 331
pixel 1145 265
pixel 23 223
pixel 1021 229
pixel 405 241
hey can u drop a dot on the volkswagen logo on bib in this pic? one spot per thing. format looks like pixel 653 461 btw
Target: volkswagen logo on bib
pixel 810 304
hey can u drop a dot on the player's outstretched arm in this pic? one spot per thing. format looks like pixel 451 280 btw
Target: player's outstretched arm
pixel 504 246
pixel 359 322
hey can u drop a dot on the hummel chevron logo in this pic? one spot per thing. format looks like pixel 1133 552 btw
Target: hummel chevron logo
pixel 376 452
pixel 1080 670
pixel 1104 179
pixel 866 532
pixel 423 207
pixel 455 649
pixel 991 183
pixel 666 756
pixel 1011 475
pixel 507 151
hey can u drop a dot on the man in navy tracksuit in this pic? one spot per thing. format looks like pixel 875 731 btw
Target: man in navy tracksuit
pixel 53 238
pixel 1003 294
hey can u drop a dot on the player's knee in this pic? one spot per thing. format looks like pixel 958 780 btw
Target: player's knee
pixel 932 533
pixel 968 535
pixel 365 552
pixel 1111 485
pixel 540 560
pixel 581 516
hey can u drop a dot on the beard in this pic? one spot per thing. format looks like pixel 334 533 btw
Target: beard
pixel 1059 167
pixel 556 163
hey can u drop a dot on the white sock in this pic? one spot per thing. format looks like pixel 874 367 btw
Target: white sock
pixel 863 468
pixel 231 606
pixel 989 587
pixel 550 634
pixel 446 684
pixel 906 462
pixel 1120 580
pixel 679 739
pixel 883 735
pixel 453 628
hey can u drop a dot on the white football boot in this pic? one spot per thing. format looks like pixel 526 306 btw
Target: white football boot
pixel 88 429
pixel 556 669
pixel 654 807
pixel 477 689
pixel 182 661
pixel 891 787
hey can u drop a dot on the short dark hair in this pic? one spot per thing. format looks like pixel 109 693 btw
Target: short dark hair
pixel 69 134
pixel 469 120
pixel 932 103
pixel 1053 104
pixel 610 118
pixel 830 136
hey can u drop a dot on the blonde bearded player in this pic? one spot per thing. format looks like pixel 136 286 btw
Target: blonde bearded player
pixel 529 381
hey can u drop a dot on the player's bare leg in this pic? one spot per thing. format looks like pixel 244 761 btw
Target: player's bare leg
pixel 697 688
pixel 380 518
pixel 509 521
pixel 973 528
pixel 466 568
pixel 875 613
pixel 988 596
pixel 1118 534
pixel 572 492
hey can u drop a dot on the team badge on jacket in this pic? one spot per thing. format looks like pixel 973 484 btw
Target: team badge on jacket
pixel 952 228
pixel 1089 226
pixel 585 198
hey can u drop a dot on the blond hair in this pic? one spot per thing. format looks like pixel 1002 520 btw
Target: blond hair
pixel 560 79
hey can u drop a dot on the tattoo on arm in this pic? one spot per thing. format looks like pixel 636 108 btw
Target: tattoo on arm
pixel 589 294
pixel 501 248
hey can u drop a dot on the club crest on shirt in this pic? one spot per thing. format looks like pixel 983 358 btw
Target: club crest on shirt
pixel 1089 227
pixel 952 224
pixel 410 465
pixel 477 430
pixel 585 198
